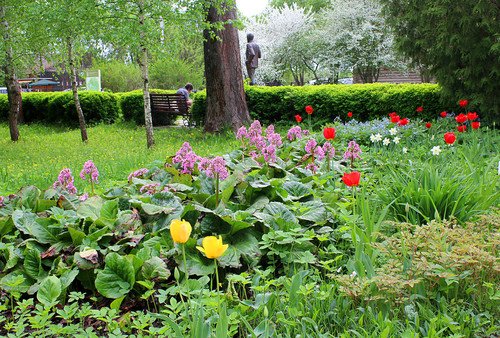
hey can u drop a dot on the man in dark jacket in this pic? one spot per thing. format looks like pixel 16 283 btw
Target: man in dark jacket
pixel 252 57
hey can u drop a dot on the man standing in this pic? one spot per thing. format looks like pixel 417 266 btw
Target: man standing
pixel 252 57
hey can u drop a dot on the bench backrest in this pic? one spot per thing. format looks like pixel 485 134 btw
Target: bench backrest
pixel 169 103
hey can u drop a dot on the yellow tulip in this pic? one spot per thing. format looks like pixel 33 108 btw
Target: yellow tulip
pixel 212 247
pixel 180 231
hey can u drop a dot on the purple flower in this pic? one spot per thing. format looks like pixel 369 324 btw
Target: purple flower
pixel 150 188
pixel 84 197
pixel 89 172
pixel 272 137
pixel 329 150
pixel 255 129
pixel 319 153
pixel 214 166
pixel 186 157
pixel 311 166
pixel 310 146
pixel 294 133
pixel 137 173
pixel 65 181
pixel 353 151
pixel 269 153
pixel 241 133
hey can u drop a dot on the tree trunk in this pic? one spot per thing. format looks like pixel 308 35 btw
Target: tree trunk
pixel 226 103
pixel 143 63
pixel 74 87
pixel 13 88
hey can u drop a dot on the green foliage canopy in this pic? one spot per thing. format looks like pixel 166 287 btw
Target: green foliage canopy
pixel 458 40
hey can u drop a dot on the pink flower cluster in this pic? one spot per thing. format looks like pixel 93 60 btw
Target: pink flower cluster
pixel 137 173
pixel 187 158
pixel 89 172
pixel 315 152
pixel 353 151
pixel 296 133
pixel 265 144
pixel 150 189
pixel 214 167
pixel 329 150
pixel 65 181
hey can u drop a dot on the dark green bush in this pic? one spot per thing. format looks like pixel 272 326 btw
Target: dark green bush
pixel 59 107
pixel 4 107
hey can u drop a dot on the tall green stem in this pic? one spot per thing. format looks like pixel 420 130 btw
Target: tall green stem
pixel 217 284
pixel 216 190
pixel 186 272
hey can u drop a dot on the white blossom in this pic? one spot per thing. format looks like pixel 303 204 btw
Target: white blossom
pixel 436 150
pixel 396 140
pixel 405 150
pixel 386 141
pixel 393 131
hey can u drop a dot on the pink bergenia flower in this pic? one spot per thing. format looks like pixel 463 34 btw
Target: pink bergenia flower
pixel 214 166
pixel 84 197
pixel 329 150
pixel 89 172
pixel 313 167
pixel 353 151
pixel 269 153
pixel 149 189
pixel 296 133
pixel 137 173
pixel 187 158
pixel 310 146
pixel 242 133
pixel 65 181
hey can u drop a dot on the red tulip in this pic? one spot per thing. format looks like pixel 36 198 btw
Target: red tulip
pixel 329 133
pixel 352 179
pixel 443 114
pixel 349 114
pixel 471 116
pixel 309 110
pixel 461 118
pixel 450 138
pixel 428 125
pixel 462 128
pixel 298 118
pixel 463 103
pixel 395 118
pixel 475 124
pixel 403 122
pixel 393 114
pixel 420 109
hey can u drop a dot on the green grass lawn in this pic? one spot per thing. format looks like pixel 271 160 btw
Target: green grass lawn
pixel 42 151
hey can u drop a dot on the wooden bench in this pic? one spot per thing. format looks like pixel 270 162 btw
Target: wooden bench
pixel 166 107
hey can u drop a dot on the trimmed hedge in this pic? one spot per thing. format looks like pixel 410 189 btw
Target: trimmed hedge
pixel 59 107
pixel 268 104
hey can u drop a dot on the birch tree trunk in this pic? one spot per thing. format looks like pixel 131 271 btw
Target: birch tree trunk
pixel 13 88
pixel 143 63
pixel 226 103
pixel 74 87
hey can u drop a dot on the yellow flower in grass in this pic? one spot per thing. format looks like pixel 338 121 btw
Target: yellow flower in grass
pixel 212 247
pixel 180 231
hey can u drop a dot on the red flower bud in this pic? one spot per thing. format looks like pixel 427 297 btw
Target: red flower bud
pixel 450 138
pixel 309 110
pixel 298 118
pixel 462 128
pixel 420 109
pixel 428 125
pixel 329 133
pixel 395 118
pixel 349 114
pixel 475 124
pixel 463 103
pixel 471 116
pixel 443 114
pixel 352 179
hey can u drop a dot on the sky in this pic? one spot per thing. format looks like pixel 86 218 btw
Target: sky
pixel 251 7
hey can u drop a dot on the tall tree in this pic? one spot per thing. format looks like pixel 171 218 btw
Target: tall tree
pixel 458 41
pixel 13 88
pixel 70 28
pixel 226 103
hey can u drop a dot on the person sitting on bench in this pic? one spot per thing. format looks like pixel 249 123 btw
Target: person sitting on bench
pixel 186 90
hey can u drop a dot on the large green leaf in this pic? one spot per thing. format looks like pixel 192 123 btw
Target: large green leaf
pixel 49 291
pixel 155 267
pixel 32 263
pixel 91 208
pixel 296 190
pixel 109 212
pixel 242 245
pixel 275 214
pixel 117 278
pixel 6 225
pixel 29 197
pixel 15 282
pixel 313 211
pixel 196 264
